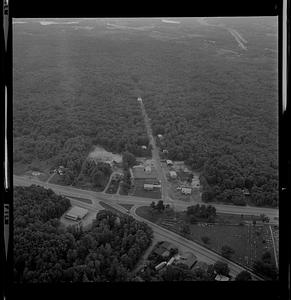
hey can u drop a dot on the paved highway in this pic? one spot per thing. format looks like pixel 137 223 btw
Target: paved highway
pixel 201 252
pixel 71 191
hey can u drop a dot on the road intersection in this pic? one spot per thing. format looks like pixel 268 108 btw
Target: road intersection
pixel 113 200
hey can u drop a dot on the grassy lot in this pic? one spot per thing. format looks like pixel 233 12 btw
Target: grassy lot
pixel 176 194
pixel 126 206
pixel 81 199
pixel 235 219
pixel 19 168
pixel 27 169
pixel 57 179
pixel 140 192
pixel 249 242
pixel 113 187
pixel 122 192
pixel 108 207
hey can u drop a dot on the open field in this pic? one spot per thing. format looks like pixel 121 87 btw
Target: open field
pixel 113 187
pixel 126 206
pixel 26 169
pixel 100 154
pixel 249 242
pixel 81 199
pixel 108 207
pixel 139 191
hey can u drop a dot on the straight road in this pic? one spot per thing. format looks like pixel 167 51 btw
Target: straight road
pixel 155 154
pixel 272 213
pixel 205 254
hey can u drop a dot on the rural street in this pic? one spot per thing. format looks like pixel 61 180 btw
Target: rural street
pixel 155 155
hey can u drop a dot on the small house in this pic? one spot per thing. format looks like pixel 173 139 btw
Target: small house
pixel 148 187
pixel 246 192
pixel 173 174
pixel 160 136
pixel 144 147
pixel 189 260
pixel 219 277
pixel 186 190
pixel 201 265
pixel 34 173
pixel 139 99
pixel 148 169
pixel 161 265
pixel 169 162
pixel 165 151
pixel 171 261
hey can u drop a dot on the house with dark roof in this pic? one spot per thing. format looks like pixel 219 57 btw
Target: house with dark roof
pixel 189 260
pixel 164 249
pixel 203 266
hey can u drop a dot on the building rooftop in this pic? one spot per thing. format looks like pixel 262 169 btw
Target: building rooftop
pixel 77 212
pixel 201 265
pixel 221 278
pixel 189 260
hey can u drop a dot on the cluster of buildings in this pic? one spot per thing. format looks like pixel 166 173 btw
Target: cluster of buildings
pixel 147 175
pixel 186 190
pixel 164 249
pixel 60 170
pixel 189 260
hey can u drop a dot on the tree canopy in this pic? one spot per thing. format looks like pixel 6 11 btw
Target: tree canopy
pixel 44 251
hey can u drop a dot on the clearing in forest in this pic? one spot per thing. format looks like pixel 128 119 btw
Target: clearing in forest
pixel 100 154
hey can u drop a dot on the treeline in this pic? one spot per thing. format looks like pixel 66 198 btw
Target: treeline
pixel 96 173
pixel 46 252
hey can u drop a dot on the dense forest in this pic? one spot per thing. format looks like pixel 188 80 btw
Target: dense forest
pixel 214 103
pixel 44 251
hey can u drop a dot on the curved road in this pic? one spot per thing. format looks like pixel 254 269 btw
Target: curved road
pixel 202 252
pixel 272 213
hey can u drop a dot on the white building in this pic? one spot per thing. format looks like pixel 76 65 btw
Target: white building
pixel 160 136
pixel 173 174
pixel 186 190
pixel 221 278
pixel 161 265
pixel 139 99
pixel 171 261
pixel 169 162
pixel 35 173
pixel 148 187
pixel 148 169
pixel 144 147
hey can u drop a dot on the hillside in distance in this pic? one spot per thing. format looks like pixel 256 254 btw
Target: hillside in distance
pixel 208 84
